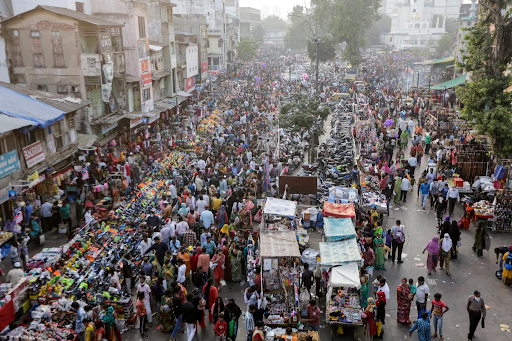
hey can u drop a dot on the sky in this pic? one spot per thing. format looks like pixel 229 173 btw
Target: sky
pixel 285 5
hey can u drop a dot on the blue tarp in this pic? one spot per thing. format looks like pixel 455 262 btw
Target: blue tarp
pixel 14 104
pixel 337 229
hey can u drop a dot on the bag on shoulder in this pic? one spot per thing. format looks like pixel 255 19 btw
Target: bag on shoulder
pixel 508 261
pixel 399 235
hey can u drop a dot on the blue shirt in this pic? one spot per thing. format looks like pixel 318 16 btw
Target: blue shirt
pixel 423 328
pixel 147 269
pixel 174 248
pixel 207 219
pixel 28 211
pixel 79 324
pixel 424 188
pixel 46 210
pixel 210 247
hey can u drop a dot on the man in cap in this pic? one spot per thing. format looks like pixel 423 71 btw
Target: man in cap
pixel 14 275
pixel 476 310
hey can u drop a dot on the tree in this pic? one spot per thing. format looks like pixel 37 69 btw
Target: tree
pixel 383 25
pixel 445 44
pixel 487 58
pixel 299 31
pixel 258 31
pixel 246 49
pixel 326 50
pixel 347 22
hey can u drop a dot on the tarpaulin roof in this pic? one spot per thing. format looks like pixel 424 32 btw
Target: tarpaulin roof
pixel 278 244
pixel 338 210
pixel 11 123
pixel 17 105
pixel 451 83
pixel 285 208
pixel 339 253
pixel 336 229
pixel 345 276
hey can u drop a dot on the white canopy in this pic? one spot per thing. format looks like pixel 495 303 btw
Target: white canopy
pixel 284 208
pixel 345 276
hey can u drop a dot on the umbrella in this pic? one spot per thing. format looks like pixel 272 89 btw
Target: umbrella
pixel 389 122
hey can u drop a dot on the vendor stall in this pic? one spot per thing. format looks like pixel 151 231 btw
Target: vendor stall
pixel 339 253
pixel 279 252
pixel 338 210
pixel 279 214
pixel 343 304
pixel 338 229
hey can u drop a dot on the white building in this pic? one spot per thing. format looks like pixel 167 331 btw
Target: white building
pixel 417 23
pixel 466 20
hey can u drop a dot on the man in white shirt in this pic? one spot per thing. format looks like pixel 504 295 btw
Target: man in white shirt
pixel 201 205
pixel 201 164
pixel 439 158
pixel 431 176
pixel 181 228
pixel 422 292
pixel 145 244
pixel 143 287
pixel 199 184
pixel 383 286
pixel 404 187
pixel 412 165
pixel 182 268
pixel 165 232
pixel 452 195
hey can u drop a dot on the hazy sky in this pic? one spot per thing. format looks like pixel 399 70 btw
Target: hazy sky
pixel 285 5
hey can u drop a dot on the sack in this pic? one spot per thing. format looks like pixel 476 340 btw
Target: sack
pixel 369 271
pixel 434 258
pixel 63 228
pixel 399 235
pixel 498 274
pixel 17 228
pixel 41 239
pixel 460 224
pixel 213 265
pixel 508 262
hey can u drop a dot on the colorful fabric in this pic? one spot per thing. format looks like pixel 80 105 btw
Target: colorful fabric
pixel 378 244
pixel 423 328
pixel 403 305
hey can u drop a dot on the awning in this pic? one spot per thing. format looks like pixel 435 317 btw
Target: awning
pixel 11 123
pixel 160 74
pixel 86 140
pixel 345 276
pixel 336 229
pixel 155 48
pixel 107 139
pixel 135 114
pixel 285 208
pixel 109 119
pixel 165 105
pixel 339 253
pixel 152 116
pixel 278 244
pixel 183 94
pixel 181 99
pixel 17 105
pixel 131 79
pixel 451 83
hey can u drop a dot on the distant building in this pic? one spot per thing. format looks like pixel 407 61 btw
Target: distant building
pixel 249 18
pixel 468 18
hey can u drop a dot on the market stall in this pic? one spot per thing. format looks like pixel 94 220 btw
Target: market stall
pixel 279 253
pixel 338 229
pixel 343 303
pixel 339 253
pixel 338 210
pixel 279 214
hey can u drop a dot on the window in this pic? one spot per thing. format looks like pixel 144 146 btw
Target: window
pixel 62 90
pixel 71 121
pixel 58 54
pixel 414 10
pixel 37 49
pixel 17 59
pixel 146 95
pixel 40 87
pixel 79 6
pixel 57 135
pixel 7 144
pixel 142 27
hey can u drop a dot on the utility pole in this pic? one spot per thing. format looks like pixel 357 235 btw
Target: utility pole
pixel 316 42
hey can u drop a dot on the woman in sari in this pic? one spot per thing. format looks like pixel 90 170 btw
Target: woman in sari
pixel 378 245
pixel 166 315
pixel 168 271
pixel 218 272
pixel 227 259
pixel 433 253
pixel 109 321
pixel 403 302
pixel 370 329
pixel 468 217
pixel 397 190
pixel 236 264
pixel 222 216
pixel 210 295
pixel 365 287
pixel 217 309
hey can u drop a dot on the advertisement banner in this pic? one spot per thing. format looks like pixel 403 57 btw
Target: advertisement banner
pixel 135 122
pixel 33 177
pixel 204 67
pixel 9 163
pixel 189 83
pixel 145 65
pixel 33 154
pixel 145 79
pixel 85 174
pixel 91 66
pixel 143 48
pixel 18 215
pixel 108 127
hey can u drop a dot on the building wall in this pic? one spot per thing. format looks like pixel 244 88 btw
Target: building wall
pixel 4 70
pixel 20 6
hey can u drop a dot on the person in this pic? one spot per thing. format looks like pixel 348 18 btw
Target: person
pixel 397 191
pixel 369 255
pixel 90 330
pixel 174 244
pixel 365 286
pixel 221 328
pixel 469 216
pixel 79 321
pixel 437 313
pixel 144 288
pixel 65 215
pixel 166 316
pixel 452 196
pixel 506 275
pixel 288 336
pixel 182 270
pixel 127 275
pixel 236 264
pixel 249 321
pixel 476 310
pixel 355 175
pixel 381 310
pixel 142 314
pixel 217 309
pixel 404 187
pixel 203 261
pixel 177 312
pixel 454 233
pixel 370 329
pixel 383 286
pixel 258 334
pixel 114 279
pixel 398 234
pixel 218 259
pixel 46 215
pixel 422 291
pixel 422 325
pixel 446 247
pixel 378 246
pixel 424 190
pixel 101 333
pixel 210 294
pixel 160 249
pixel 232 312
pixel 190 317
pixel 145 244
pixel 207 218
pixel 307 277
pixel 14 275
pixel 433 253
pixel 403 302
pixel 147 268
pixel 478 245
pixel 314 313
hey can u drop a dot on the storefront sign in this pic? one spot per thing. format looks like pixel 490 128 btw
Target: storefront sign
pixel 12 195
pixel 33 177
pixel 145 79
pixel 33 154
pixel 204 67
pixel 4 194
pixel 135 122
pixel 145 65
pixel 189 83
pixel 143 48
pixel 91 66
pixel 9 163
pixel 85 174
pixel 108 127
pixel 18 215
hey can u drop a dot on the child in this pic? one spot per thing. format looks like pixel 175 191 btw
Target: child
pixel 389 239
pixel 221 328
pixel 412 289
pixel 142 313
pixel 376 283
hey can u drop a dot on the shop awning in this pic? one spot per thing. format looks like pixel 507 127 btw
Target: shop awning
pixel 285 208
pixel 345 276
pixel 336 229
pixel 152 116
pixel 278 244
pixel 131 79
pixel 164 105
pixel 109 119
pixel 135 114
pixel 183 94
pixel 10 123
pixel 107 139
pixel 451 83
pixel 86 140
pixel 160 74
pixel 339 253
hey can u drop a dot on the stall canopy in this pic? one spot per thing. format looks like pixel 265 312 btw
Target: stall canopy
pixel 450 84
pixel 338 210
pixel 285 208
pixel 11 123
pixel 279 244
pixel 336 229
pixel 345 276
pixel 339 253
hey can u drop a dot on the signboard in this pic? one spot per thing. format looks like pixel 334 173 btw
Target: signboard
pixel 298 184
pixel 4 194
pixel 145 79
pixel 192 60
pixel 18 215
pixel 91 66
pixel 106 46
pixel 33 154
pixel 85 174
pixel 9 163
pixel 204 67
pixel 33 177
pixel 145 65
pixel 12 195
pixel 135 122
pixel 108 127
pixel 189 83
pixel 143 48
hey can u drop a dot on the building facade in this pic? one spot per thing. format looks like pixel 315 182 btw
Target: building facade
pixel 468 18
pixel 249 18
pixel 196 24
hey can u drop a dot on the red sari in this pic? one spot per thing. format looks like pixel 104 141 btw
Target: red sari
pixel 213 293
pixel 227 272
pixel 403 304
pixel 219 271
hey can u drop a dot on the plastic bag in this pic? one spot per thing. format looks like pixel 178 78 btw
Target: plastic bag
pixel 379 327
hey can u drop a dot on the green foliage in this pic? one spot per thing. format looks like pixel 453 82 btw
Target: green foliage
pixel 445 44
pixel 246 49
pixel 326 50
pixel 272 23
pixel 383 25
pixel 303 112
pixel 347 22
pixel 488 54
pixel 258 31
pixel 299 31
